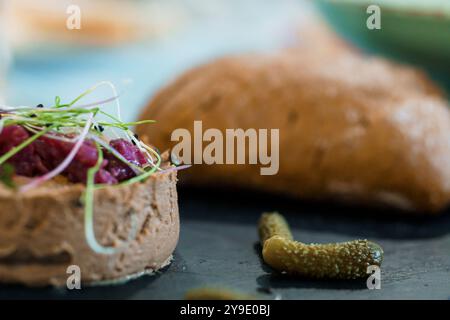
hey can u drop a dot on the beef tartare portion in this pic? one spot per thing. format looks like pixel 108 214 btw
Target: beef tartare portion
pixel 49 151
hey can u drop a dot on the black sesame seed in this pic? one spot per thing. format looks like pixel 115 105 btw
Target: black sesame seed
pixel 40 105
pixel 99 128
pixel 136 136
pixel 132 141
pixel 33 115
pixel 48 124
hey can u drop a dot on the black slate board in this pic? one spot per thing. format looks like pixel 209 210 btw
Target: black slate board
pixel 219 246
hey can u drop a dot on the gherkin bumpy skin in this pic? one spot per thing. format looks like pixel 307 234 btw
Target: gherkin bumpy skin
pixel 345 260
pixel 273 224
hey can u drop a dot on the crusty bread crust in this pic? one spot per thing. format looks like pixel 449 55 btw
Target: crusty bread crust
pixel 42 231
pixel 351 127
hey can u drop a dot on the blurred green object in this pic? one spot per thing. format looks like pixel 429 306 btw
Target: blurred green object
pixel 411 31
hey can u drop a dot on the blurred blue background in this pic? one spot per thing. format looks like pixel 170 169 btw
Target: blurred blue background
pixel 41 72
pixel 202 30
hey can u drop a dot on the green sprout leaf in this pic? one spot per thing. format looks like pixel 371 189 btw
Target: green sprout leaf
pixel 57 101
pixel 6 175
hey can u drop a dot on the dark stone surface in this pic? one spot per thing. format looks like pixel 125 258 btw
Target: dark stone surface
pixel 219 246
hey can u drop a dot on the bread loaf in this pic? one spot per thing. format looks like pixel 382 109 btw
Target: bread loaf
pixel 351 127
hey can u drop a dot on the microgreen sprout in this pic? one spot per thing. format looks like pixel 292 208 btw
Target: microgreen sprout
pixel 89 208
